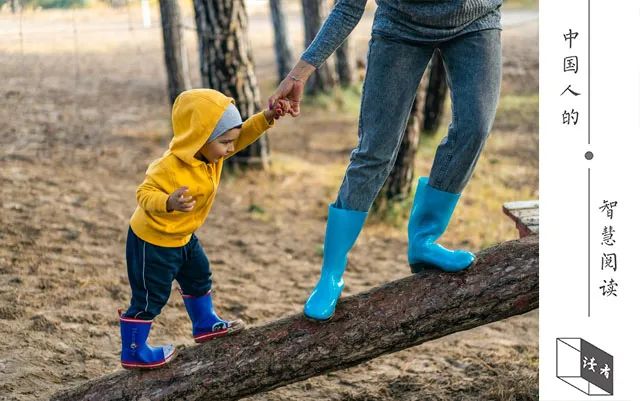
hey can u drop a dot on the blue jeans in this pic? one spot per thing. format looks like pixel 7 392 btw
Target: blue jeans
pixel 153 268
pixel 394 70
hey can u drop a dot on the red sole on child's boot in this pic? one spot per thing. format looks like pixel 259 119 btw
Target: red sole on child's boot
pixel 234 327
pixel 202 338
pixel 148 366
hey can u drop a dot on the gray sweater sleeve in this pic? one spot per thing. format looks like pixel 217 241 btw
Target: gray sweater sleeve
pixel 343 18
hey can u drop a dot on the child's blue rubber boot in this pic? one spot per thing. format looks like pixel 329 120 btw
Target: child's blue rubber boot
pixel 136 353
pixel 343 228
pixel 206 324
pixel 430 215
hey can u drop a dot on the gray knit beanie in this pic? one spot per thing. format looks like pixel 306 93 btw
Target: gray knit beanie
pixel 230 119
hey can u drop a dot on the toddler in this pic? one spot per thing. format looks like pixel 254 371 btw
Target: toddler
pixel 173 202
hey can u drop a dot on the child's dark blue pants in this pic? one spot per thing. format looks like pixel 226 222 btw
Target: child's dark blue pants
pixel 153 268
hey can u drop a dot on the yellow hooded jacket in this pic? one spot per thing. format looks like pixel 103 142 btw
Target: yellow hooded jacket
pixel 194 116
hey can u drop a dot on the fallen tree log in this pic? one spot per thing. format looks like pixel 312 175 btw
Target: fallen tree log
pixel 398 315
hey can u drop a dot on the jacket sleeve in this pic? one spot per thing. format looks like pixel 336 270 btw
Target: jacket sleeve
pixel 152 194
pixel 343 18
pixel 251 130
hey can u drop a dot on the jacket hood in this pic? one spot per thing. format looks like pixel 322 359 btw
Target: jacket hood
pixel 195 114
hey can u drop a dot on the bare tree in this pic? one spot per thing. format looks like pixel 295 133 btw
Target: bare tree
pixel 226 64
pixel 344 65
pixel 314 12
pixel 398 184
pixel 175 53
pixel 282 43
pixel 436 93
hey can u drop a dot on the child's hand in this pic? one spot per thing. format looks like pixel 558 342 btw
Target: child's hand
pixel 179 201
pixel 279 109
pixel 282 107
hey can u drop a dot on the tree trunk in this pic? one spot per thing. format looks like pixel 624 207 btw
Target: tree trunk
pixel 344 65
pixel 436 94
pixel 397 187
pixel 226 64
pixel 282 43
pixel 314 13
pixel 406 312
pixel 175 53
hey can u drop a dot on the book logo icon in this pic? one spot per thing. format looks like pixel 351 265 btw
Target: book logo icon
pixel 584 366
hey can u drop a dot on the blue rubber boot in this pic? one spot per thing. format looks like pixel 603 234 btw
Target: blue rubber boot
pixel 430 215
pixel 206 324
pixel 136 353
pixel 343 228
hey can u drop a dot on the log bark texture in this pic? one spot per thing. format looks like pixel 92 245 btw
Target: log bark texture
pixel 398 315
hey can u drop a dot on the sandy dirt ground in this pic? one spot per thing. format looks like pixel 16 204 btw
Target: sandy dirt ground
pixel 82 116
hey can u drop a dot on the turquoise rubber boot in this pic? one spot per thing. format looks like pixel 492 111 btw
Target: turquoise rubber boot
pixel 343 228
pixel 430 215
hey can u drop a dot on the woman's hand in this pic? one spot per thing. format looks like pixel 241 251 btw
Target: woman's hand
pixel 290 90
pixel 292 87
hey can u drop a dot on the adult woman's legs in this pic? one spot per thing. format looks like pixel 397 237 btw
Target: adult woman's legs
pixel 474 72
pixel 473 63
pixel 394 71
